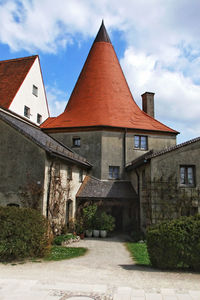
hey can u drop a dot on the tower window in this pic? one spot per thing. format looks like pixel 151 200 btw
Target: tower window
pixel 113 172
pixel 35 90
pixel 76 142
pixel 140 142
pixel 26 111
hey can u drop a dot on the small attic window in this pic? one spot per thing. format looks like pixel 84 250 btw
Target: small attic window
pixel 39 119
pixel 35 90
pixel 76 142
pixel 26 111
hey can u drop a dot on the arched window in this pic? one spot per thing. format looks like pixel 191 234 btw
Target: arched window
pixel 69 206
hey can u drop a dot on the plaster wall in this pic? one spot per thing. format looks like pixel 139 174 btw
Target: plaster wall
pixel 24 96
pixel 21 163
pixel 90 147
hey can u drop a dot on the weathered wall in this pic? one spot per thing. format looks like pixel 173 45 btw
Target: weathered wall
pixel 21 165
pixel 155 142
pixel 111 148
pixel 60 189
pixel 90 147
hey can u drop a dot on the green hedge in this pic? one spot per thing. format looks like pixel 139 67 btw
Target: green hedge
pixel 23 234
pixel 175 243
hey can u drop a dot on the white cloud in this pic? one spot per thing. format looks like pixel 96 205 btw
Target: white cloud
pixel 177 98
pixel 162 39
pixel 57 100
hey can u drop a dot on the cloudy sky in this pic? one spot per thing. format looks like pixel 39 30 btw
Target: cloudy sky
pixel 157 43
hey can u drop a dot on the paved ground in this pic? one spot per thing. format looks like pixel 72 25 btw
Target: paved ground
pixel 105 272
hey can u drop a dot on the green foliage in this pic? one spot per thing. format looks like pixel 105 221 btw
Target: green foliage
pixel 175 244
pixel 139 253
pixel 62 238
pixel 89 214
pixel 60 253
pixel 107 222
pixel 23 234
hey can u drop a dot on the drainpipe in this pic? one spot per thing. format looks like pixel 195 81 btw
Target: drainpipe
pixel 138 187
pixel 49 189
pixel 124 147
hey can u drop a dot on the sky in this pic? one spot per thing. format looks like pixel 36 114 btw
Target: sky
pixel 157 43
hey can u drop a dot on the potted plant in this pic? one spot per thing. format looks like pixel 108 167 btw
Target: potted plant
pixel 107 224
pixel 96 225
pixel 88 218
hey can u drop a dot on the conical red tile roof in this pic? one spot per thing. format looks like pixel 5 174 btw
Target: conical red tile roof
pixel 101 96
pixel 12 75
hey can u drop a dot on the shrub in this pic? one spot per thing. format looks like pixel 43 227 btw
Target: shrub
pixel 23 234
pixel 107 222
pixel 175 243
pixel 89 214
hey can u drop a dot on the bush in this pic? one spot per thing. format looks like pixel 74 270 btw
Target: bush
pixel 175 243
pixel 23 234
pixel 107 222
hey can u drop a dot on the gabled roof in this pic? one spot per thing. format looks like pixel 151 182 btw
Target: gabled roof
pixel 43 140
pixel 151 154
pixel 101 96
pixel 12 75
pixel 99 189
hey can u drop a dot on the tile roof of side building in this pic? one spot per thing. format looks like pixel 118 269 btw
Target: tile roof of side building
pixel 43 140
pixel 101 96
pixel 151 154
pixel 12 75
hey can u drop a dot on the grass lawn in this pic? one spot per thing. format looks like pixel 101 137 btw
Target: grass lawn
pixel 60 253
pixel 139 253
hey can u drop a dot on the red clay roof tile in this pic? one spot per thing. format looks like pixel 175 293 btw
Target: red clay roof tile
pixel 12 75
pixel 101 96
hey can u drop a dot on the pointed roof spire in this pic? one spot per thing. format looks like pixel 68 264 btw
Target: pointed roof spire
pixel 101 96
pixel 102 35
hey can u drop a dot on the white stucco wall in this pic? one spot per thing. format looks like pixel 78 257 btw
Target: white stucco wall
pixel 24 96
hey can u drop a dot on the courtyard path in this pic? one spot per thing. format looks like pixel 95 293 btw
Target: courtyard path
pixel 105 272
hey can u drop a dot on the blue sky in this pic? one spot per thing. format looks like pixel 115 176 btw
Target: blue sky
pixel 157 43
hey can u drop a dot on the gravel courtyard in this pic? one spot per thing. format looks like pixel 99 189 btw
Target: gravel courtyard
pixel 106 269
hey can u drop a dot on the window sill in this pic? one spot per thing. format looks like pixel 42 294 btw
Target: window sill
pixel 140 149
pixel 187 185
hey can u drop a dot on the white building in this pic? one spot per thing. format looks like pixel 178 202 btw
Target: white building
pixel 22 89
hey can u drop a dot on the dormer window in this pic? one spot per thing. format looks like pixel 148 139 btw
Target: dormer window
pixel 26 111
pixel 76 142
pixel 35 90
pixel 39 119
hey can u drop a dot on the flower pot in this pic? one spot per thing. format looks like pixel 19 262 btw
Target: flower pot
pixel 88 233
pixel 95 233
pixel 103 233
pixel 81 236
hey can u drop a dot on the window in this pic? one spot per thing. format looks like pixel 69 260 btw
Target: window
pixel 76 142
pixel 39 119
pixel 113 172
pixel 187 177
pixel 81 176
pixel 140 142
pixel 35 90
pixel 69 173
pixel 26 111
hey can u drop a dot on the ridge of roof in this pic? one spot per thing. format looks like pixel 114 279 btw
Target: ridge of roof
pixel 172 148
pixel 102 35
pixel 19 58
pixel 43 140
pixel 12 74
pixel 101 96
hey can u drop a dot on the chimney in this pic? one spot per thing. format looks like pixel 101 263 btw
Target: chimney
pixel 148 103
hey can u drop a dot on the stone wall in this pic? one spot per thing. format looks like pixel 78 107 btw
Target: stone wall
pixel 21 167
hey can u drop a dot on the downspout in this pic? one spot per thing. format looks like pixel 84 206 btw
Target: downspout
pixel 124 148
pixel 49 189
pixel 138 187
